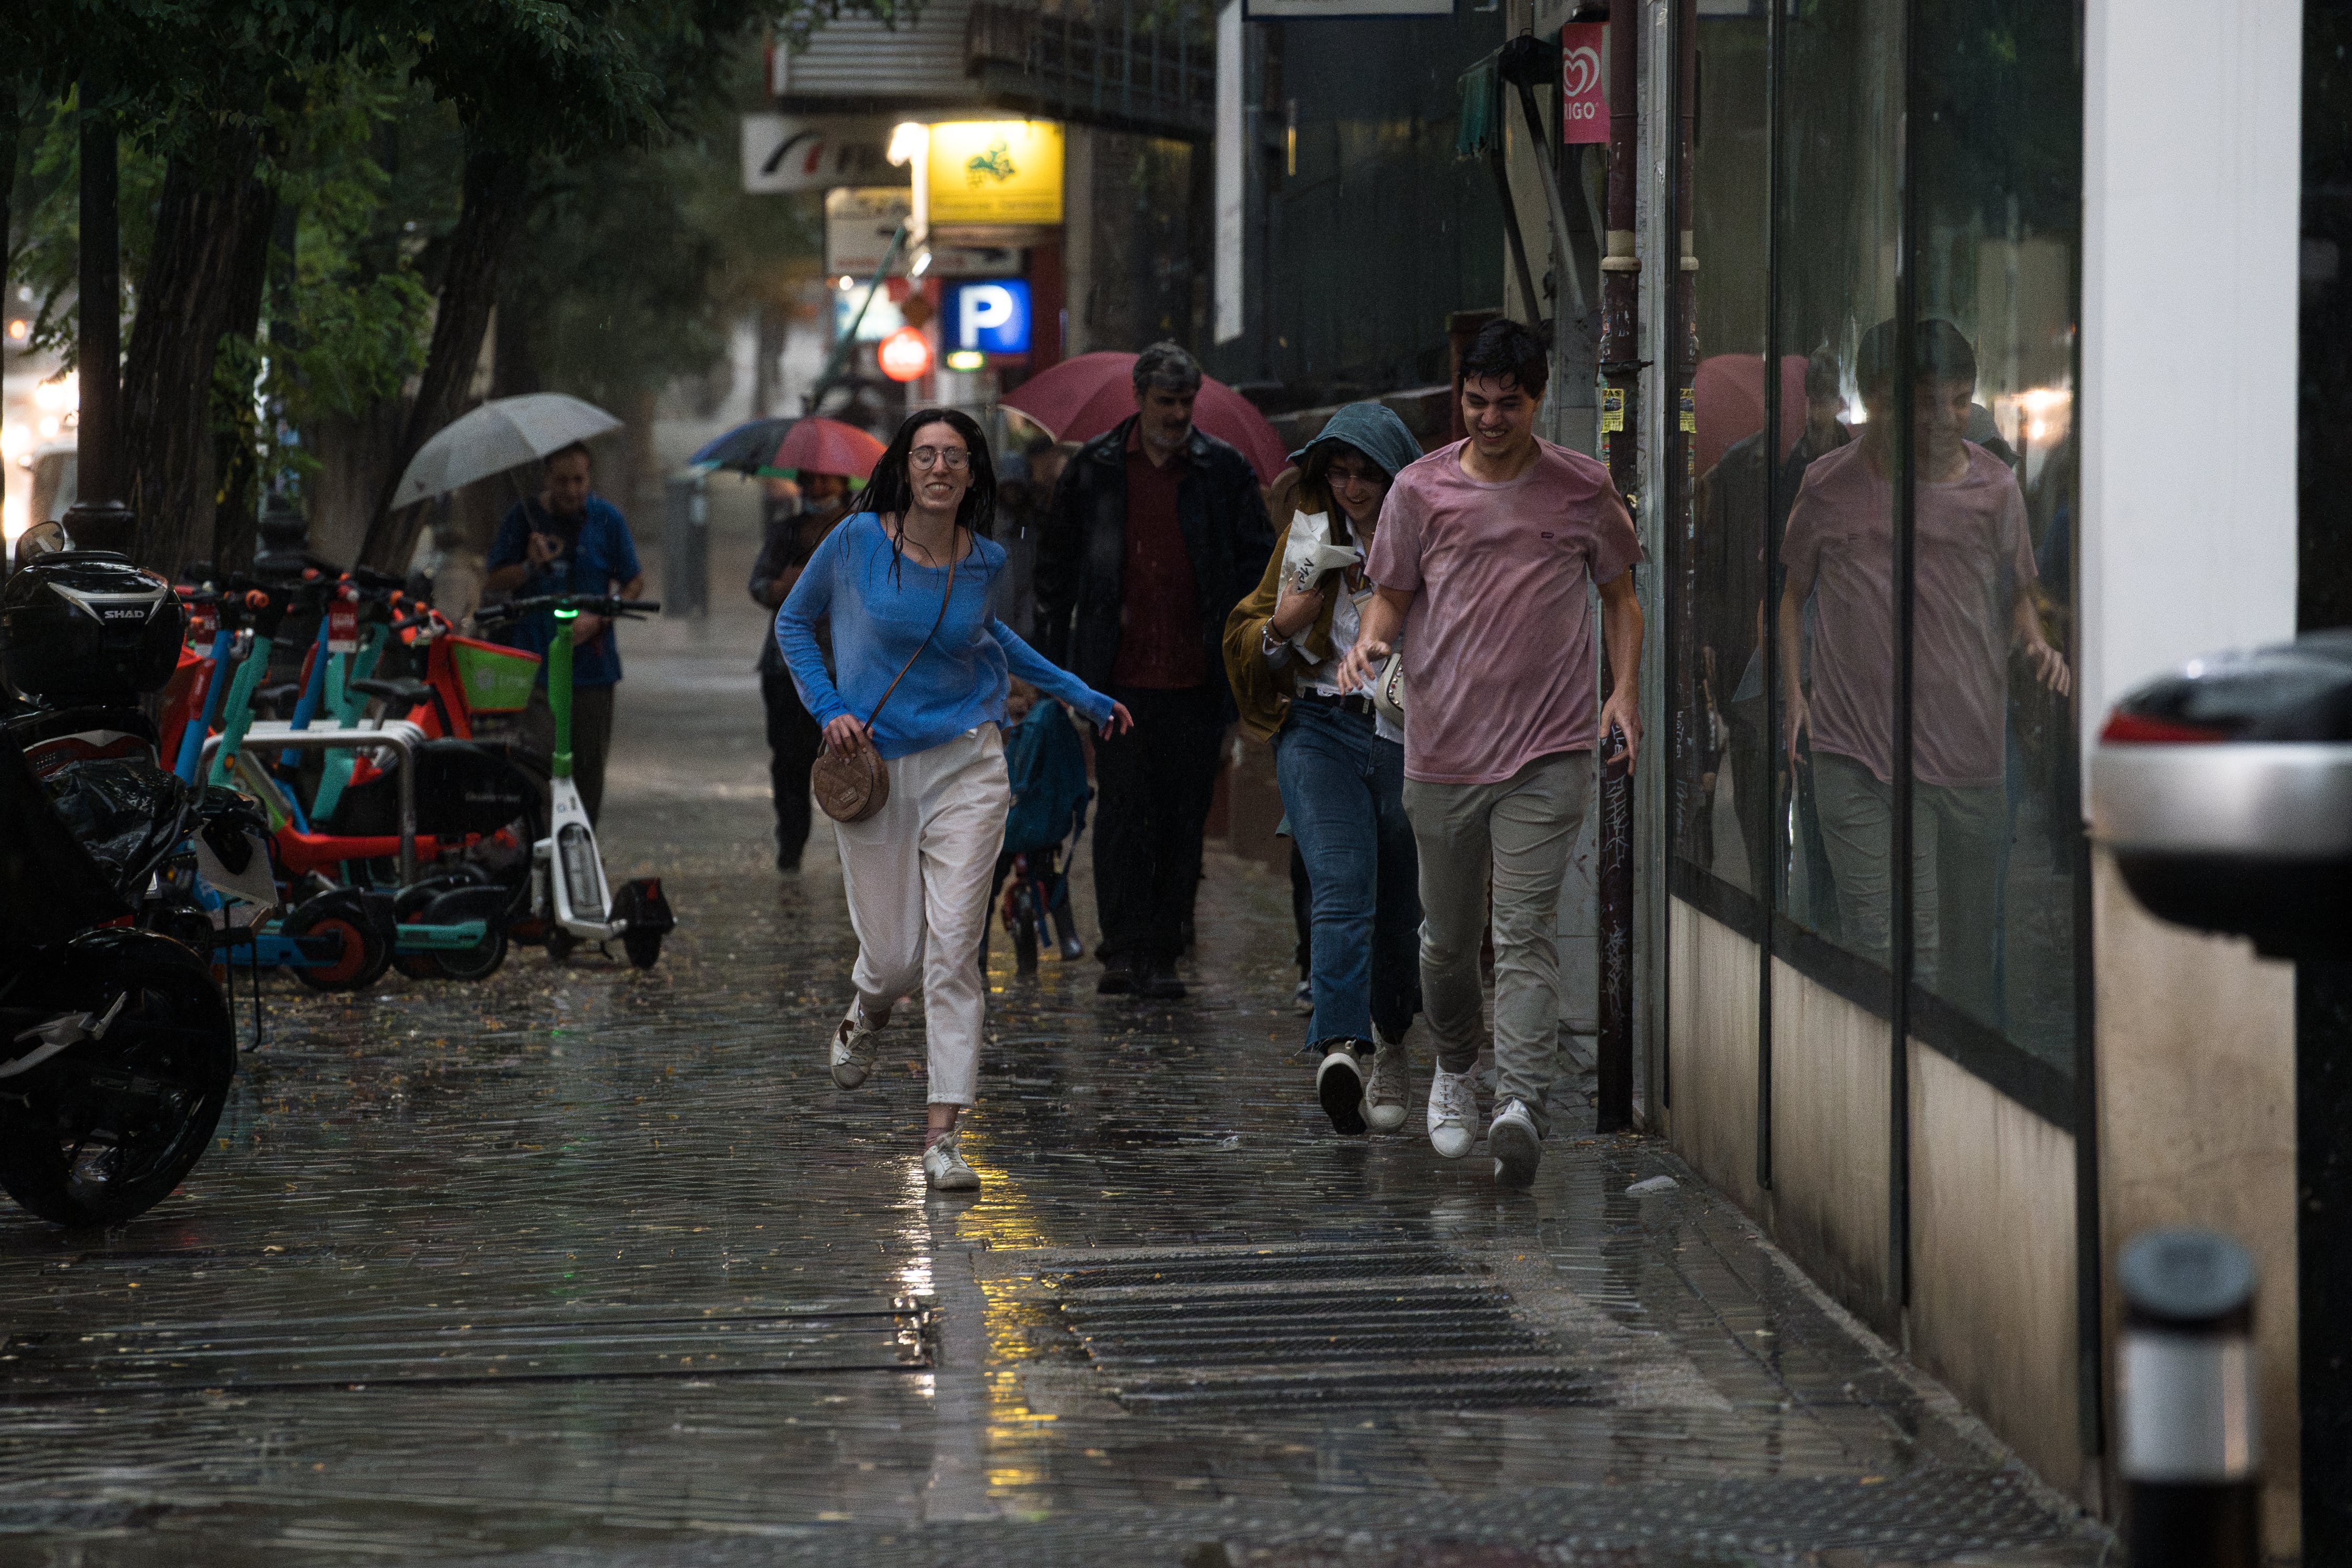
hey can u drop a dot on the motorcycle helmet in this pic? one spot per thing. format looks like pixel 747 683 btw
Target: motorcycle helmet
pixel 86 626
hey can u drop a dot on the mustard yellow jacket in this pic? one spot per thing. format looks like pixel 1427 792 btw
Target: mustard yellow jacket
pixel 1262 690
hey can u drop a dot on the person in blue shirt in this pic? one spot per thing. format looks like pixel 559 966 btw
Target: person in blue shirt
pixel 910 587
pixel 1046 763
pixel 567 540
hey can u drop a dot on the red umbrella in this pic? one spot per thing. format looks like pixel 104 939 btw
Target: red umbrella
pixel 1730 393
pixel 827 447
pixel 1080 398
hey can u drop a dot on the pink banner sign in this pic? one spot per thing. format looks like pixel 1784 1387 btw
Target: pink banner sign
pixel 1583 91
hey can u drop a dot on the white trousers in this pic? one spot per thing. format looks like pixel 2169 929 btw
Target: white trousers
pixel 918 873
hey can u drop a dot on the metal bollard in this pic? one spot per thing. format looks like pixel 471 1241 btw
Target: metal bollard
pixel 2190 1456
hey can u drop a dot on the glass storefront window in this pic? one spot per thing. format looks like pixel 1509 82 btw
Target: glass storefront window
pixel 1878 457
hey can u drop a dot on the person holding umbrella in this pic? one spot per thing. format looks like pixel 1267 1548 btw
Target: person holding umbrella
pixel 566 539
pixel 1157 529
pixel 921 667
pixel 828 458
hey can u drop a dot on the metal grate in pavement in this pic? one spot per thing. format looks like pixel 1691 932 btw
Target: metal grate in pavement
pixel 405 1350
pixel 1386 1326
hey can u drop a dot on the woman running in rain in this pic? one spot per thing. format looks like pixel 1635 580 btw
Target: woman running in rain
pixel 1340 766
pixel 917 871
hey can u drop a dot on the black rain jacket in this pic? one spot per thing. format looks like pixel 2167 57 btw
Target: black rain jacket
pixel 1082 550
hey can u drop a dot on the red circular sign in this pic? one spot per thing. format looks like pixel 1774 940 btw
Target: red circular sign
pixel 904 354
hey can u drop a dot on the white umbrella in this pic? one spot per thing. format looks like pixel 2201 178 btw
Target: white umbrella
pixel 502 434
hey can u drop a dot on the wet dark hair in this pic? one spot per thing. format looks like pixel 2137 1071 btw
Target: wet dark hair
pixel 1166 367
pixel 1939 351
pixel 1821 374
pixel 577 449
pixel 1505 351
pixel 890 490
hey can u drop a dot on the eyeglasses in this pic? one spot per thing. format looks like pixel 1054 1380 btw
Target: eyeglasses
pixel 1340 475
pixel 955 458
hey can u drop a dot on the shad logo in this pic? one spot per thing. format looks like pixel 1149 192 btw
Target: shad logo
pixel 1580 71
pixel 996 163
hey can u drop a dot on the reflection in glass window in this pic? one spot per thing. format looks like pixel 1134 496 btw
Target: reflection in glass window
pixel 1791 673
pixel 1998 217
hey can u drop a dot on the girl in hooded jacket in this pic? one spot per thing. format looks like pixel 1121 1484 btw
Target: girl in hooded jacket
pixel 1340 766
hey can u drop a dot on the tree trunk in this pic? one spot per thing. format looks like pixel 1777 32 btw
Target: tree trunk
pixel 494 200
pixel 237 430
pixel 212 233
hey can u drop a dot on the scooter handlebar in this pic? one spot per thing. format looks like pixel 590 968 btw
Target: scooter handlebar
pixel 586 603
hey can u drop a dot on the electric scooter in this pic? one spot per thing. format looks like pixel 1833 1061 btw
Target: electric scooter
pixel 569 890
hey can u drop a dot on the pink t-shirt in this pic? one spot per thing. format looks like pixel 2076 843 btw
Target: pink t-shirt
pixel 1500 665
pixel 1971 553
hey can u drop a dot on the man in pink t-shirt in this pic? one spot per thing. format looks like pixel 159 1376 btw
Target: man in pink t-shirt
pixel 1485 558
pixel 1972 578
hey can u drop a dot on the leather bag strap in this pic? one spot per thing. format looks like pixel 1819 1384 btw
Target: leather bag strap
pixel 938 621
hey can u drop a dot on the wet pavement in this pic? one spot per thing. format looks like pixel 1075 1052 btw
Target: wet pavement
pixel 587 1265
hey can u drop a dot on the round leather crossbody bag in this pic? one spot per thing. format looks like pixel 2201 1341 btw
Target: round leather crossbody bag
pixel 853 786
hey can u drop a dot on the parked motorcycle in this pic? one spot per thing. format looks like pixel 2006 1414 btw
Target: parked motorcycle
pixel 116 1046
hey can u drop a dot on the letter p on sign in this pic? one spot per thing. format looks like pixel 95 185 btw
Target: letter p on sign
pixel 991 316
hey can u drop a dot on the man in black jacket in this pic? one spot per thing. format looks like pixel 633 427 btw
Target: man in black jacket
pixel 1157 531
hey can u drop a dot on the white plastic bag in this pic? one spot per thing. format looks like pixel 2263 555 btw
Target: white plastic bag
pixel 1307 555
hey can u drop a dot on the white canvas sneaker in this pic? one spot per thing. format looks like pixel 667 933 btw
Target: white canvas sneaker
pixel 854 1045
pixel 1516 1148
pixel 944 1166
pixel 1453 1112
pixel 1390 1094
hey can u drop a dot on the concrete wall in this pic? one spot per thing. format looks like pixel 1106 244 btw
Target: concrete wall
pixel 2188 547
pixel 1992 1261
pixel 2197 1127
pixel 1993 1185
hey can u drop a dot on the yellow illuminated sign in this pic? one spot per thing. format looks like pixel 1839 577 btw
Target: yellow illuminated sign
pixel 996 172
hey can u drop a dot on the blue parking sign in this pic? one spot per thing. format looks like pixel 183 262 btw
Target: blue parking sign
pixel 991 316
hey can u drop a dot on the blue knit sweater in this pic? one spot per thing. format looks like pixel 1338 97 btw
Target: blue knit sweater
pixel 879 618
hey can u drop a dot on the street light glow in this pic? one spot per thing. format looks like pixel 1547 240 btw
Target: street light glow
pixel 908 142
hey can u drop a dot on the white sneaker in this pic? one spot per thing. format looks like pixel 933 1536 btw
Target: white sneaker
pixel 1390 1094
pixel 1339 1085
pixel 944 1166
pixel 854 1045
pixel 1452 1111
pixel 1516 1148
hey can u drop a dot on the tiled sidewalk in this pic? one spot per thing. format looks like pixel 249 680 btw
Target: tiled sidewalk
pixel 589 1267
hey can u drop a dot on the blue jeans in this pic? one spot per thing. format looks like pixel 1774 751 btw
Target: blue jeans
pixel 1344 789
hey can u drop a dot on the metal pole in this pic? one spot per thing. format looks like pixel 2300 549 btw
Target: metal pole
pixel 99 463
pixel 1684 802
pixel 838 363
pixel 1620 371
pixel 2190 1457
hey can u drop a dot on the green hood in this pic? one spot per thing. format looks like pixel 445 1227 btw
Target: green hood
pixel 1374 429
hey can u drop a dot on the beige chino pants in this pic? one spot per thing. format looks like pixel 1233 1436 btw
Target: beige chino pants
pixel 917 873
pixel 1521 831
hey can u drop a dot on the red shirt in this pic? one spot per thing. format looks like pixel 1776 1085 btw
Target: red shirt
pixel 1160 645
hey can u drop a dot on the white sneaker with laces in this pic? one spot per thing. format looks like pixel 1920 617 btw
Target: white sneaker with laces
pixel 1452 1111
pixel 1390 1094
pixel 944 1166
pixel 1514 1142
pixel 855 1044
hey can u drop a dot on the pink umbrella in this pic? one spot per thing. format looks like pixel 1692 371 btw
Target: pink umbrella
pixel 1730 393
pixel 821 445
pixel 1080 398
